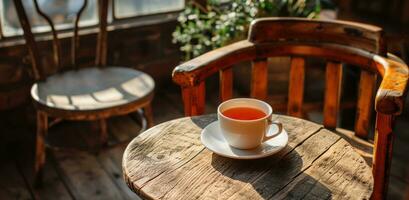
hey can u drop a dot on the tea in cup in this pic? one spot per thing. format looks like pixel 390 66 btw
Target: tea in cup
pixel 245 122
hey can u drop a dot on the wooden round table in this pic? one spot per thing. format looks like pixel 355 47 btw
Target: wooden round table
pixel 168 161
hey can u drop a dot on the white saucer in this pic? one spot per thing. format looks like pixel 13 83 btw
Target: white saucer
pixel 213 139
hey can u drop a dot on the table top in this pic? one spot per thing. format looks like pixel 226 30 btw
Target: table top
pixel 168 161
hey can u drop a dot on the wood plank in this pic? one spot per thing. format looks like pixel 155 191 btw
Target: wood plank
pixel 333 78
pixel 338 174
pixel 259 74
pixel 365 102
pixel 226 84
pixel 296 87
pixel 12 185
pixel 111 161
pixel 53 185
pixel 84 176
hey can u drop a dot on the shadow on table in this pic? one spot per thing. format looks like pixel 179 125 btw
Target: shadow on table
pixel 203 121
pixel 272 177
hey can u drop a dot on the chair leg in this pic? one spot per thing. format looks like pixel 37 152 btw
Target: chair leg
pixel 99 127
pixel 42 128
pixel 103 137
pixel 382 155
pixel 147 113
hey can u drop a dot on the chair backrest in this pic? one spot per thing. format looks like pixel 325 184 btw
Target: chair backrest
pixel 337 42
pixel 300 38
pixel 101 50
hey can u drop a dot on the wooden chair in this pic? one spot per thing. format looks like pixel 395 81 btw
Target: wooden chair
pixel 93 93
pixel 337 42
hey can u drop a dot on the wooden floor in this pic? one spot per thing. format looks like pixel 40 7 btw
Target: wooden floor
pixel 77 168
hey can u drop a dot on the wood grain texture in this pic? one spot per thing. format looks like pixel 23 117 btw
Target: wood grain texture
pixel 360 145
pixel 296 87
pixel 226 84
pixel 169 162
pixel 259 74
pixel 365 101
pixel 275 29
pixel 333 83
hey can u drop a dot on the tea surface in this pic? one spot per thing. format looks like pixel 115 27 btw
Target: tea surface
pixel 244 113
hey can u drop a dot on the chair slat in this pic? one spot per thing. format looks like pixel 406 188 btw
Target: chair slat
pixel 296 87
pixel 102 44
pixel 38 71
pixel 332 93
pixel 75 39
pixel 259 79
pixel 364 107
pixel 56 43
pixel 194 99
pixel 226 84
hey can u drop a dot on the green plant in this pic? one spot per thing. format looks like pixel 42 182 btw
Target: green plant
pixel 202 29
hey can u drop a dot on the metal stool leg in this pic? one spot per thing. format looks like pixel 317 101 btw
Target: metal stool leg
pixel 147 113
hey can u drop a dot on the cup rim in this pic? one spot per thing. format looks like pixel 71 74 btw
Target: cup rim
pixel 269 114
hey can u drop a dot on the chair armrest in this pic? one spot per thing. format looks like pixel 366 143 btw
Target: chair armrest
pixel 390 96
pixel 198 69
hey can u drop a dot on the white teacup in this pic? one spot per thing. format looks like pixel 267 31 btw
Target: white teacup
pixel 246 134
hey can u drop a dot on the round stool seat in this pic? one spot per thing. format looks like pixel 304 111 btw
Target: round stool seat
pixel 93 88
